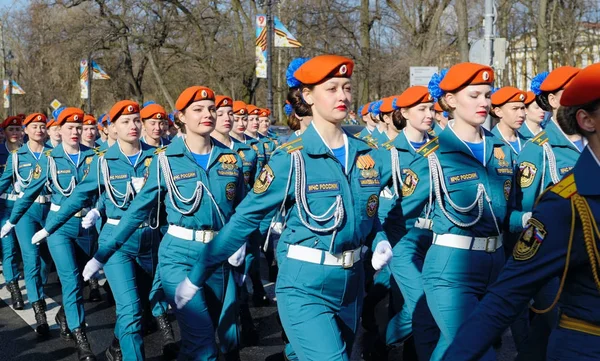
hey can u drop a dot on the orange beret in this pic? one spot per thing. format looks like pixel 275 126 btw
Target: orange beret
pixel 223 101
pixel 153 111
pixel 12 120
pixel 365 109
pixel 412 96
pixel 50 123
pixel 69 115
pixel 264 112
pixel 324 67
pixel 239 108
pixel 558 79
pixel 463 74
pixel 507 94
pixel 89 119
pixel 530 98
pixel 193 94
pixel 437 107
pixel 584 88
pixel 100 126
pixel 387 105
pixel 124 107
pixel 35 118
pixel 252 109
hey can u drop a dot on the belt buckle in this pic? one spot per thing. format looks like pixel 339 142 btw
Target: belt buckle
pixel 347 259
pixel 204 236
pixel 487 244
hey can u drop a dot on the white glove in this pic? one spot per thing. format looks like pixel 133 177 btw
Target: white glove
pixel 6 228
pixel 237 258
pixel 91 269
pixel 239 278
pixel 39 236
pixel 90 219
pixel 18 186
pixel 525 218
pixel 277 228
pixel 185 292
pixel 382 255
pixel 137 183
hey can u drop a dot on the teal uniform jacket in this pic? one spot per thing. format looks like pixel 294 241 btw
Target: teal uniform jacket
pixel 258 148
pixel 29 169
pixel 268 146
pixel 249 161
pixel 357 187
pixel 525 132
pixel 57 174
pixel 5 154
pixel 540 256
pixel 378 138
pixel 120 173
pixel 49 144
pixel 463 173
pixel 520 139
pixel 9 249
pixel 535 171
pixel 435 129
pixel 364 133
pixel 163 142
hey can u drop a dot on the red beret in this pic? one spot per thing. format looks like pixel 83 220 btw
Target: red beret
pixel 223 101
pixel 12 120
pixel 35 118
pixel 153 111
pixel 507 94
pixel 412 96
pixel 558 79
pixel 323 67
pixel 437 107
pixel 89 119
pixel 124 107
pixel 365 109
pixel 584 88
pixel 69 115
pixel 530 98
pixel 239 108
pixel 264 112
pixel 193 94
pixel 387 106
pixel 463 74
pixel 252 109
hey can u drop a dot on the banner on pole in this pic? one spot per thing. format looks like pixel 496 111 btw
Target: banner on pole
pixel 5 91
pixel 283 39
pixel 16 89
pixel 99 74
pixel 83 78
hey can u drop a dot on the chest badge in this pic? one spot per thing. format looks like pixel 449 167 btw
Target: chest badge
pixel 507 188
pixel 410 183
pixel 372 205
pixel 527 172
pixel 500 156
pixel 228 161
pixel 37 172
pixel 531 239
pixel 230 191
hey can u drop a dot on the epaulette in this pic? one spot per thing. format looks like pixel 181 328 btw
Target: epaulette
pixel 540 139
pixel 100 153
pixel 429 147
pixel 388 145
pixel 372 144
pixel 293 145
pixel 431 132
pixel 357 135
pixel 566 188
pixel 160 150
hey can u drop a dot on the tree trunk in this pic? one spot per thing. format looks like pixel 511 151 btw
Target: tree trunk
pixel 541 47
pixel 365 49
pixel 463 29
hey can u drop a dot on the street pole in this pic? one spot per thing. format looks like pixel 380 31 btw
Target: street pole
pixel 270 55
pixel 488 39
pixel 90 76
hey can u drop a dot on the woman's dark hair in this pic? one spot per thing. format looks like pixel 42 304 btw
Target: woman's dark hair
pixel 398 119
pixel 293 121
pixel 566 117
pixel 445 107
pixel 300 107
pixel 179 123
pixel 542 101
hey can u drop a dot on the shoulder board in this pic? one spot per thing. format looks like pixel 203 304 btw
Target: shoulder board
pixel 160 150
pixel 540 139
pixel 372 144
pixel 429 147
pixel 566 188
pixel 100 153
pixel 388 145
pixel 357 135
pixel 292 146
pixel 47 153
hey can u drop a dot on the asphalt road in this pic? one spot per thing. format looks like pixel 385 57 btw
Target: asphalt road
pixel 19 342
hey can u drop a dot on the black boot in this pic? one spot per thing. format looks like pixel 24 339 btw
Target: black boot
pixel 15 295
pixel 61 321
pixel 170 347
pixel 113 352
pixel 109 295
pixel 249 334
pixel 232 356
pixel 84 351
pixel 94 291
pixel 42 328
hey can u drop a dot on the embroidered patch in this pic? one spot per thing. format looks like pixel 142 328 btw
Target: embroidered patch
pixel 565 170
pixel 504 171
pixel 181 176
pixel 367 182
pixel 23 165
pixel 507 188
pixel 118 176
pixel 247 177
pixel 230 191
pixel 410 182
pixel 369 173
pixel 372 205
pixel 530 241
pixel 63 171
pixel 264 180
pixel 527 172
pixel 37 172
pixel 463 178
pixel 228 172
pixel 323 187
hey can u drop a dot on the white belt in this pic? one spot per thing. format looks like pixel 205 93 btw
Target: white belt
pixel 81 213
pixel 10 197
pixel 346 259
pixel 487 244
pixel 204 236
pixel 423 223
pixel 115 222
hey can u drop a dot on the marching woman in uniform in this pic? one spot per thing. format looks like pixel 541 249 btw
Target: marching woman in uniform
pixel 407 177
pixel 472 180
pixel 200 182
pixel 89 135
pixel 117 174
pixel 13 130
pixel 23 168
pixel 534 116
pixel 53 130
pixel 251 133
pixel 328 182
pixel 441 116
pixel 154 118
pixel 71 246
pixel 509 107
pixel 263 132
pixel 370 123
pixel 560 240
